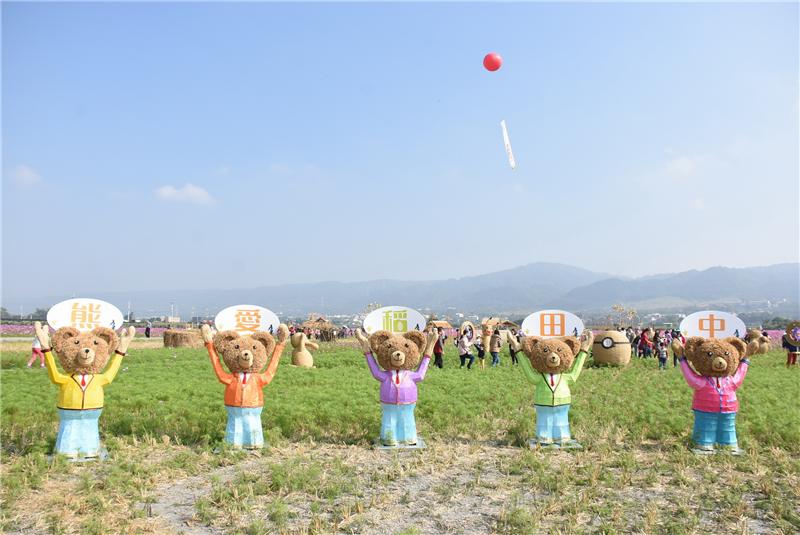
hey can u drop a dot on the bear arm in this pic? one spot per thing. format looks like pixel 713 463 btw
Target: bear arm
pixel 419 375
pixel 272 367
pixel 738 377
pixel 577 367
pixel 527 368
pixel 695 381
pixel 112 370
pixel 377 373
pixel 222 376
pixel 56 377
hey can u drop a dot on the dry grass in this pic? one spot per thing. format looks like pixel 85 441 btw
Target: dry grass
pixel 153 487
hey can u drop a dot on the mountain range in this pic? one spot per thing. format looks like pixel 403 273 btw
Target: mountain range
pixel 513 291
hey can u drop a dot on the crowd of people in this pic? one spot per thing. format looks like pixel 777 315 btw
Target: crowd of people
pixel 320 334
pixel 649 343
pixel 464 343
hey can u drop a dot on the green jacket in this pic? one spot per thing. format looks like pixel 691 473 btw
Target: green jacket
pixel 557 394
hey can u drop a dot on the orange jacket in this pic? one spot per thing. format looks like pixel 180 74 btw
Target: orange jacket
pixel 245 390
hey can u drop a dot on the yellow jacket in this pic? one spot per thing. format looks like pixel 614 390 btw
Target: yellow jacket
pixel 74 397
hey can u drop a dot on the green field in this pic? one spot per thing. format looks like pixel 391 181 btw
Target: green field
pixel 164 419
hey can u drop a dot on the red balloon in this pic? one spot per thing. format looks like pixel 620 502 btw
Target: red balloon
pixel 492 61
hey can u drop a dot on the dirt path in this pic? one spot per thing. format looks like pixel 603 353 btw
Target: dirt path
pixel 452 488
pixel 439 489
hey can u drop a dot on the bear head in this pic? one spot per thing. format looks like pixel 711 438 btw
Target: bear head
pixel 715 357
pixel 244 354
pixel 84 352
pixel 397 351
pixel 551 355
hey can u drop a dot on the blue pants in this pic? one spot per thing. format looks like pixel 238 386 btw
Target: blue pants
pixel 714 428
pixel 244 427
pixel 495 358
pixel 398 423
pixel 552 423
pixel 78 433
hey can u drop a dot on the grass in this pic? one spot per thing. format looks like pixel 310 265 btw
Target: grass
pixel 164 417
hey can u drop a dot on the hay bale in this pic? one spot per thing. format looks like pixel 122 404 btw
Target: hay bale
pixel 183 338
pixel 611 348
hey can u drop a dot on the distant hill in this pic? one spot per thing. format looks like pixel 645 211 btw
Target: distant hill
pixel 513 291
pixel 717 285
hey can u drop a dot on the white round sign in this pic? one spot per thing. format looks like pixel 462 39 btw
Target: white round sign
pixel 713 324
pixel 84 314
pixel 552 323
pixel 247 319
pixel 395 319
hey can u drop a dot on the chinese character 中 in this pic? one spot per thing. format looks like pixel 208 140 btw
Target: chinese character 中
pixel 711 325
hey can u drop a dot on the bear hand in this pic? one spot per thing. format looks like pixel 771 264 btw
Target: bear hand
pixel 283 333
pixel 587 339
pixel 125 339
pixel 433 336
pixel 42 333
pixel 205 332
pixel 363 341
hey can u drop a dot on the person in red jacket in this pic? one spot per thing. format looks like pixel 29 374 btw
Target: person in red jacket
pixel 645 345
pixel 791 343
pixel 438 349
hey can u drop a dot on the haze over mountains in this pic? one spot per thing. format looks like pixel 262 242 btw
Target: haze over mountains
pixel 519 290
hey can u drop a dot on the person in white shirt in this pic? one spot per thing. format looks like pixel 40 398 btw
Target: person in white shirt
pixel 36 351
pixel 463 351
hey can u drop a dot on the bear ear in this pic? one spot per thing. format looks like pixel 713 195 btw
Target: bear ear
pixel 739 345
pixel 692 343
pixel 222 338
pixel 573 344
pixel 109 336
pixel 62 336
pixel 529 342
pixel 377 338
pixel 266 340
pixel 418 338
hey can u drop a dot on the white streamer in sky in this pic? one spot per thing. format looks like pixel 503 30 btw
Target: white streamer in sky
pixel 507 142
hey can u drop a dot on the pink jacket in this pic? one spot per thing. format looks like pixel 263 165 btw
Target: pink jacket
pixel 398 388
pixel 715 394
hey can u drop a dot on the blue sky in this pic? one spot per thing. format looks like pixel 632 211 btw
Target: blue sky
pixel 150 146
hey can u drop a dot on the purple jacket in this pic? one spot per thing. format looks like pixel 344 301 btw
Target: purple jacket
pixel 398 387
pixel 715 394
